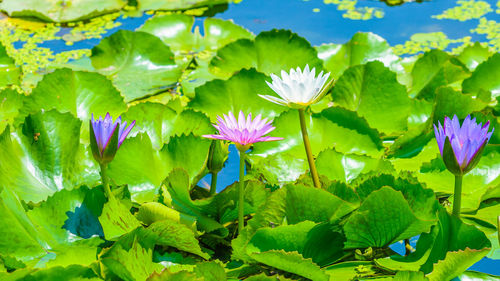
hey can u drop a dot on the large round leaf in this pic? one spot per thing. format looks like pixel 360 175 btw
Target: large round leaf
pixel 79 92
pixel 240 92
pixel 61 11
pixel 485 77
pixel 44 156
pixel 161 122
pixel 270 52
pixel 19 237
pixel 144 5
pixel 474 55
pixel 285 160
pixel 374 93
pixel 384 218
pixel 138 63
pixel 10 103
pixel 433 70
pixel 9 72
pixel 362 48
pixel 175 31
pixel 143 168
pixel 347 167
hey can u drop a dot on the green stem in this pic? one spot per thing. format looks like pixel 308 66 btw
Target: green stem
pixel 407 247
pixel 241 192
pixel 457 198
pixel 213 184
pixel 307 145
pixel 105 183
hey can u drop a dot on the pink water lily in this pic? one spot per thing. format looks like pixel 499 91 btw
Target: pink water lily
pixel 244 131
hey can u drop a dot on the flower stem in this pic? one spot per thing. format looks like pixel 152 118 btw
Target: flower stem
pixel 241 192
pixel 213 183
pixel 407 247
pixel 457 198
pixel 105 183
pixel 307 145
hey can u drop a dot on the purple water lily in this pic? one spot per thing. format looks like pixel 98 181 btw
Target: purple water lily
pixel 466 142
pixel 104 146
pixel 244 131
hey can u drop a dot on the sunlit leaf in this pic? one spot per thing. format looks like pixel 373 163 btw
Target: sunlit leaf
pixel 124 54
pixel 270 52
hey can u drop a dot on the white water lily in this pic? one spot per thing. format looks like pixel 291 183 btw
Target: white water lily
pixel 298 89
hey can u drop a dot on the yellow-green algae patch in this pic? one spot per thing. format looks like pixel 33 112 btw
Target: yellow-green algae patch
pixel 422 42
pixel 95 28
pixel 466 10
pixel 22 39
pixel 351 11
pixel 491 29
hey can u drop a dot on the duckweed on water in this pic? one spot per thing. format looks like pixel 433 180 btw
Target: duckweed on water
pixel 356 13
pixel 491 29
pixel 422 42
pixel 467 9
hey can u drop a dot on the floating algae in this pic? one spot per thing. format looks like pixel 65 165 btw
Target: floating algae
pixel 356 13
pixel 491 29
pixel 467 9
pixel 422 42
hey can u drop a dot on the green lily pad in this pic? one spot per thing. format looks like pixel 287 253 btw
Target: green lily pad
pixel 374 93
pixel 124 54
pixel 145 5
pixel 116 219
pixel 19 236
pixel 450 102
pixel 304 237
pixel 450 248
pixel 324 129
pixel 11 103
pixel 175 193
pixel 362 48
pixel 433 70
pixel 61 11
pixel 161 122
pixel 151 212
pixel 347 167
pixel 133 264
pixel 474 55
pixel 9 72
pixel 384 218
pixel 291 262
pixel 50 221
pixel 68 273
pixel 144 168
pixel 44 156
pixel 79 92
pixel 270 52
pixel 314 204
pixel 175 31
pixel 174 234
pixel 484 77
pixel 346 271
pixel 474 275
pixel 240 92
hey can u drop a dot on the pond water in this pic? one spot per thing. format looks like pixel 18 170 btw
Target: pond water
pixel 325 22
